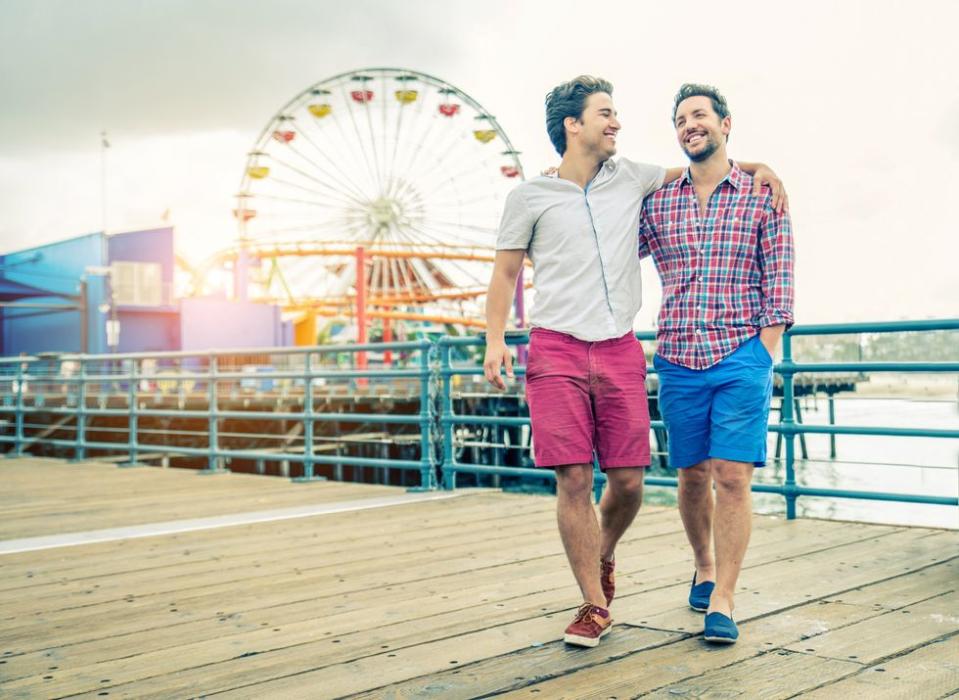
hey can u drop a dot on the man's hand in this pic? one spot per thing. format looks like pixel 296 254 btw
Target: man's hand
pixel 765 176
pixel 769 337
pixel 497 355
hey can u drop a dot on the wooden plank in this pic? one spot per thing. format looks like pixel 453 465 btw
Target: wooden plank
pixel 356 530
pixel 348 560
pixel 358 610
pixel 764 589
pixel 304 583
pixel 811 620
pixel 892 633
pixel 300 665
pixel 549 577
pixel 135 612
pixel 658 668
pixel 775 675
pixel 932 671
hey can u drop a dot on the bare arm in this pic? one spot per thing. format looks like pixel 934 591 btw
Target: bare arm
pixel 672 174
pixel 502 286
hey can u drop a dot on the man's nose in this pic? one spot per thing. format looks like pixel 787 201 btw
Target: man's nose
pixel 614 122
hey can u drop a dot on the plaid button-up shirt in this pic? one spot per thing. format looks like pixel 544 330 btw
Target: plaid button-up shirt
pixel 725 275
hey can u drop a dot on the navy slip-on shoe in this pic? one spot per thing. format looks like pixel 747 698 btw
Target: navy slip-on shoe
pixel 720 629
pixel 699 594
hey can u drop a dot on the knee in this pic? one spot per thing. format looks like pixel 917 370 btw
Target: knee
pixel 626 484
pixel 574 482
pixel 696 478
pixel 734 477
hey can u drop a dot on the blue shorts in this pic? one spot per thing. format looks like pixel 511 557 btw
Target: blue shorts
pixel 719 412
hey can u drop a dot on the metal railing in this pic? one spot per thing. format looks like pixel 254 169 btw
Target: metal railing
pixel 788 427
pixel 434 371
pixel 125 372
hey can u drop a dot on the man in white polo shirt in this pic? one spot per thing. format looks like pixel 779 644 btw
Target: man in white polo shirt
pixel 585 380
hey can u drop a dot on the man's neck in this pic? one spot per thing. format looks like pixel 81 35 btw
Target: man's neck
pixel 710 172
pixel 577 167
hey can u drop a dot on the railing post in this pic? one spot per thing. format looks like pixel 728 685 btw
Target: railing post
pixel 212 464
pixel 18 415
pixel 446 416
pixel 789 424
pixel 80 436
pixel 132 418
pixel 308 465
pixel 427 380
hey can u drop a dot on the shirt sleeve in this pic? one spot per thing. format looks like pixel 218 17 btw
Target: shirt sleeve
pixel 645 231
pixel 516 226
pixel 648 177
pixel 776 257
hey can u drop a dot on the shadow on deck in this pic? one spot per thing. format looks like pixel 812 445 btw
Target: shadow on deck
pixel 326 590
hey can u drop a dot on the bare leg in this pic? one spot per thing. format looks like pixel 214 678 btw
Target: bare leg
pixel 696 510
pixel 579 528
pixel 618 506
pixel 733 527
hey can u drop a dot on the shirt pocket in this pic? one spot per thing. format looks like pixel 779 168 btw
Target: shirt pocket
pixel 678 245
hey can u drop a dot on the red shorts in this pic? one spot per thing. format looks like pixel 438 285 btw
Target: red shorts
pixel 585 397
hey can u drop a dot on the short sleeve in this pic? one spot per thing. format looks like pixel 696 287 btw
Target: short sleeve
pixel 648 177
pixel 516 226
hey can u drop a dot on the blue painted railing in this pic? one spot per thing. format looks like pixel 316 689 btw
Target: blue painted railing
pixel 434 369
pixel 788 425
pixel 17 374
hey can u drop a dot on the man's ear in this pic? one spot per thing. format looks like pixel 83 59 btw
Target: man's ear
pixel 727 125
pixel 572 124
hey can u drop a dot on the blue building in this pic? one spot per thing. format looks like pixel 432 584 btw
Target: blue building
pixel 100 293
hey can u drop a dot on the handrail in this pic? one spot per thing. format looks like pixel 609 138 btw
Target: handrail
pixel 433 372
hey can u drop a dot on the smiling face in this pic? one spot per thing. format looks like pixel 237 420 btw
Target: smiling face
pixel 596 129
pixel 699 129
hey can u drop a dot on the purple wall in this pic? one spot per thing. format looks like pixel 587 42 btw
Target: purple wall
pixel 209 323
pixel 151 246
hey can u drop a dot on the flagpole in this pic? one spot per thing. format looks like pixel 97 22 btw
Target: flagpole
pixel 104 145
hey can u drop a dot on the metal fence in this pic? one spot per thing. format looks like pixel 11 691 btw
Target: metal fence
pixel 79 380
pixel 86 385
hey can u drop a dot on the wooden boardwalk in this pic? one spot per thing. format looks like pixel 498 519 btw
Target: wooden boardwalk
pixel 461 597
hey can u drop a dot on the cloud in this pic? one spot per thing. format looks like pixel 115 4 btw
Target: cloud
pixel 69 70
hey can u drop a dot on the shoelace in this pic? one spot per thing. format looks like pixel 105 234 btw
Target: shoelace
pixel 585 613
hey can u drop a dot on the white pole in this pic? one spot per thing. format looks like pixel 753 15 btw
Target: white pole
pixel 104 145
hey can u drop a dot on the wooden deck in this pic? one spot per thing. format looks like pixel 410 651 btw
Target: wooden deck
pixel 455 598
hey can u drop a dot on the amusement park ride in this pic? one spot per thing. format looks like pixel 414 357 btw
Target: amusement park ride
pixel 373 197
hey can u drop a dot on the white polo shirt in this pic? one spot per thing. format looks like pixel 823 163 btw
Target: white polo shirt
pixel 584 247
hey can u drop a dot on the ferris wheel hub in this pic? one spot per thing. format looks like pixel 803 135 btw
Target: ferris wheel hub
pixel 385 211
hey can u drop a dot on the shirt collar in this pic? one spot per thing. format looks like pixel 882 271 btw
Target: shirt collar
pixel 734 177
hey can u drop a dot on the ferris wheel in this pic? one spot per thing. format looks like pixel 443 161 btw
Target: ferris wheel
pixel 399 163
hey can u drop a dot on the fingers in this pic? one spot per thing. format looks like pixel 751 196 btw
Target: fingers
pixel 508 361
pixel 778 198
pixel 491 372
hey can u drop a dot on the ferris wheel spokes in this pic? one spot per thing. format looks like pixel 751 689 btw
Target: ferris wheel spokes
pixel 398 162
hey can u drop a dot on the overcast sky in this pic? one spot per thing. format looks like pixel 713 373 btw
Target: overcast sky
pixel 854 104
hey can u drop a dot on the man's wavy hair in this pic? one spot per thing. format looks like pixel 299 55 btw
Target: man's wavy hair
pixel 569 100
pixel 688 90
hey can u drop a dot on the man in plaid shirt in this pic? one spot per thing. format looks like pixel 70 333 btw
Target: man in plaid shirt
pixel 725 257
